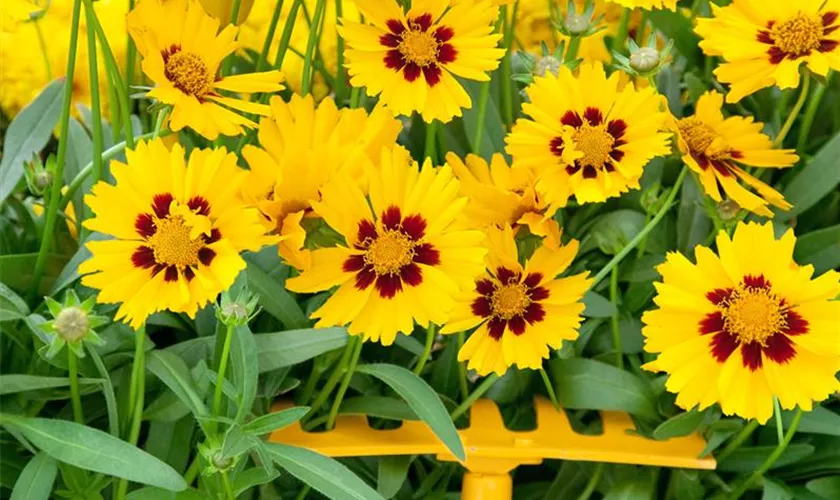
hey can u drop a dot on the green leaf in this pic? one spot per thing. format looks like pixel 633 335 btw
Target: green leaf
pixel 274 298
pixel 378 406
pixel 172 371
pixel 10 384
pixel 818 178
pixel 693 226
pixel 17 270
pixel 274 421
pixel 250 478
pixel 422 399
pixel 679 425
pixel 774 490
pixel 36 480
pixel 28 134
pixel 750 458
pixel 392 474
pixel 322 473
pixel 589 384
pixel 820 248
pixel 826 487
pixel 12 307
pixel 817 421
pixel 597 306
pixel 94 450
pixel 279 349
pixel 719 432
pixel 245 369
pixel 636 486
pixel 678 28
pixel 493 135
pixel 150 493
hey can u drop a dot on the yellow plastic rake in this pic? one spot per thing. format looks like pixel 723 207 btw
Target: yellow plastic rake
pixel 493 451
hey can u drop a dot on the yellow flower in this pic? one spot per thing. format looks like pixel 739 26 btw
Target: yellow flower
pixel 255 29
pixel 500 195
pixel 222 9
pixel 587 136
pixel 303 148
pixel 26 69
pixel 765 42
pixel 411 60
pixel 404 261
pixel 182 56
pixel 745 326
pixel 714 147
pixel 647 4
pixel 520 312
pixel 178 228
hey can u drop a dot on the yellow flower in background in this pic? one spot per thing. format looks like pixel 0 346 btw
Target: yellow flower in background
pixel 302 147
pixel 520 312
pixel 411 60
pixel 647 4
pixel 500 195
pixel 746 325
pixel 222 9
pixel 405 259
pixel 254 30
pixel 714 147
pixel 587 136
pixel 765 42
pixel 26 68
pixel 178 229
pixel 182 56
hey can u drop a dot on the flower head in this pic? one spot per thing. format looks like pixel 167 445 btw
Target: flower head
pixel 73 323
pixel 411 60
pixel 745 325
pixel 304 146
pixel 405 258
pixel 502 196
pixel 586 136
pixel 182 57
pixel 764 45
pixel 520 311
pixel 714 147
pixel 178 227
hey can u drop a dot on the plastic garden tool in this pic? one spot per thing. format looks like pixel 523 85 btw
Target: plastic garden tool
pixel 493 451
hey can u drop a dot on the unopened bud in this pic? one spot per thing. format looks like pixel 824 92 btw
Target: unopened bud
pixel 72 324
pixel 547 64
pixel 728 210
pixel 577 24
pixel 42 180
pixel 645 59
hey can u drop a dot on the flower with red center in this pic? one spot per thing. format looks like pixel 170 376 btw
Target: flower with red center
pixel 745 326
pixel 182 50
pixel 519 312
pixel 302 147
pixel 409 59
pixel 405 257
pixel 587 136
pixel 178 230
pixel 764 45
pixel 715 147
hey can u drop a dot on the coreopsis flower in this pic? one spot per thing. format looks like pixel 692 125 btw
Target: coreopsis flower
pixel 745 325
pixel 714 147
pixel 587 136
pixel 304 146
pixel 405 257
pixel 500 196
pixel 410 60
pixel 178 229
pixel 764 44
pixel 520 311
pixel 182 56
pixel 647 4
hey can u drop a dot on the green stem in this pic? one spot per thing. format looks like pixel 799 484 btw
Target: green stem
pixel 51 213
pixel 594 479
pixel 43 44
pixel 234 12
pixel 549 387
pixel 736 442
pixel 286 37
pixel 192 470
pixel 345 383
pixel 159 122
pixel 340 80
pixel 780 432
pixel 427 349
pixel 303 492
pixel 108 154
pixel 483 97
pixel 695 9
pixel 640 33
pixel 220 375
pixel 269 37
pixel 742 488
pixel 108 388
pixel 810 113
pixel 227 64
pixel 306 77
pixel 137 368
pixel 95 108
pixel 643 233
pixel 78 416
pixel 462 367
pixel 131 54
pixel 623 29
pixel 507 79
pixel 355 97
pixel 806 83
pixel 479 391
pixel 226 479
pixel 137 390
pixel 334 379
pixel 616 332
pixel 572 49
pixel 430 148
pixel 114 112
pixel 318 367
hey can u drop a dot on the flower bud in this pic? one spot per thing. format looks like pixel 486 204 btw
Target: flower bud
pixel 547 64
pixel 72 324
pixel 644 60
pixel 236 311
pixel 728 209
pixel 577 24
